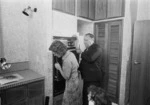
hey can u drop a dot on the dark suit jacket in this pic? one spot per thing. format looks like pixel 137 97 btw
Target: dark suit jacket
pixel 91 63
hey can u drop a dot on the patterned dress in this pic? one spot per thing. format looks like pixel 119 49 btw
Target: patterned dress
pixel 72 93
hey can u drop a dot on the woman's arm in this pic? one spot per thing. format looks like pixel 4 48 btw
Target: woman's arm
pixel 65 70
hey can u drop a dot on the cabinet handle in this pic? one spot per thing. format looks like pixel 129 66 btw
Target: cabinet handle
pixel 136 62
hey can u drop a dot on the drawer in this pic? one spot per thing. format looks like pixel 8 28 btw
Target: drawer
pixel 15 94
pixel 35 89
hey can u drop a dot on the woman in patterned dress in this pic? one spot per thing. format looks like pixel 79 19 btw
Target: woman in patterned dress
pixel 72 94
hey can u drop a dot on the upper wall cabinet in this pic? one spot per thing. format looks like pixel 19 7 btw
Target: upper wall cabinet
pixel 100 9
pixel 67 6
pixel 115 8
pixel 91 9
pixel 70 6
pixel 83 8
pixel 86 9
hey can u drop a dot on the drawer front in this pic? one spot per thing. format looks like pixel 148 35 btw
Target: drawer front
pixel 15 94
pixel 36 89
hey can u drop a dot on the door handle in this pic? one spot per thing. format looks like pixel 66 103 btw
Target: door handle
pixel 136 62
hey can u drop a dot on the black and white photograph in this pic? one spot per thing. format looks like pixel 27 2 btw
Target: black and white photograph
pixel 74 52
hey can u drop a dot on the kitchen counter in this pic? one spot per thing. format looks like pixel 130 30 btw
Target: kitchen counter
pixel 28 77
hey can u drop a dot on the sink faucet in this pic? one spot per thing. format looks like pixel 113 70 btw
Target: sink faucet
pixel 3 64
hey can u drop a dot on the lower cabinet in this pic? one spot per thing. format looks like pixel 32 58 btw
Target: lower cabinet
pixel 27 94
pixel 22 102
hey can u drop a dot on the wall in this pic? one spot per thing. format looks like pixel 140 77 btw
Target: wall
pixel 39 38
pixel 143 10
pixel 85 27
pixel 14 30
pixel 126 51
pixel 1 38
pixel 28 38
pixel 64 24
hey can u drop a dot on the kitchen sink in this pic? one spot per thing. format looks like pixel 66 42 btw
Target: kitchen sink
pixel 5 79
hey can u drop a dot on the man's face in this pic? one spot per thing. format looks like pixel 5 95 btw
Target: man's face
pixel 87 41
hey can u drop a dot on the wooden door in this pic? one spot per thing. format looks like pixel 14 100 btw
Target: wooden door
pixel 114 59
pixel 140 74
pixel 101 36
pixel 109 37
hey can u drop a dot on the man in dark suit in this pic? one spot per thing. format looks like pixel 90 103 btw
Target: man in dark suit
pixel 90 65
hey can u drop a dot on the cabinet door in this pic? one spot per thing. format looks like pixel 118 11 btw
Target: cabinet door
pixel 115 8
pixel 58 5
pixel 83 8
pixel 38 100
pixel 22 102
pixel 101 39
pixel 16 94
pixel 70 7
pixel 114 58
pixel 36 93
pixel 91 9
pixel 100 9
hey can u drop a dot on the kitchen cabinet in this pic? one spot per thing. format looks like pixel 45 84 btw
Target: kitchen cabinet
pixel 26 91
pixel 66 6
pixel 70 7
pixel 115 8
pixel 109 37
pixel 100 9
pixel 83 8
pixel 36 93
pixel 91 9
pixel 86 9
pixel 27 94
pixel 58 5
pixel 15 94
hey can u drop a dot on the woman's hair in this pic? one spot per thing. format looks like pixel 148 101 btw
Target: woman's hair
pixel 58 47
